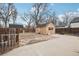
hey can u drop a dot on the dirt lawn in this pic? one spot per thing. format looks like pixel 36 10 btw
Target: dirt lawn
pixel 30 38
pixel 57 45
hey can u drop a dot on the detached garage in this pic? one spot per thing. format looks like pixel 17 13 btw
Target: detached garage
pixel 47 28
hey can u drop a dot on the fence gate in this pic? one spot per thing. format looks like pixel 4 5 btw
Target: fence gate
pixel 8 39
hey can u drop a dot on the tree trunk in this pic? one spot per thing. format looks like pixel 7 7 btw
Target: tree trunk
pixel 13 22
pixel 5 24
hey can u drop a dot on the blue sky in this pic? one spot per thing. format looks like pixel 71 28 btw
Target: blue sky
pixel 22 7
pixel 60 8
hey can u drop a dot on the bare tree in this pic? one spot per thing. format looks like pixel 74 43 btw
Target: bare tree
pixel 5 13
pixel 53 16
pixel 13 12
pixel 39 10
pixel 66 18
pixel 39 14
pixel 67 15
pixel 28 19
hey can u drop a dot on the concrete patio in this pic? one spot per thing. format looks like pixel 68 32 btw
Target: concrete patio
pixel 63 45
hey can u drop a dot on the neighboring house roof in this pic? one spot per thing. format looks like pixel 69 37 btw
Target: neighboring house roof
pixel 74 25
pixel 15 26
pixel 75 20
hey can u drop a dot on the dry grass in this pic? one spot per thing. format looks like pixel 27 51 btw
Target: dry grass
pixel 30 38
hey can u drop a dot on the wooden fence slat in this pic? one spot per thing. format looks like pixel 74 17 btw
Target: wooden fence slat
pixel 8 39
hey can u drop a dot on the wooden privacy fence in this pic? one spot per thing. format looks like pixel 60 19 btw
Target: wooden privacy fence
pixel 9 39
pixel 67 30
pixel 29 29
